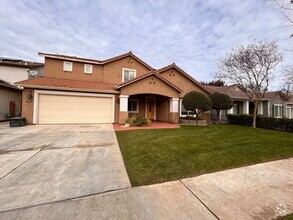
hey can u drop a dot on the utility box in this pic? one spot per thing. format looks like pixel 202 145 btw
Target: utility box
pixel 17 122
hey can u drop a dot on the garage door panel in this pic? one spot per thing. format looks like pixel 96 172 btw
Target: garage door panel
pixel 62 109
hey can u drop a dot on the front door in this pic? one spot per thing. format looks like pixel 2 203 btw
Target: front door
pixel 150 108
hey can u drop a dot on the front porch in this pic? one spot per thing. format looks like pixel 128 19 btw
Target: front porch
pixel 151 106
pixel 245 107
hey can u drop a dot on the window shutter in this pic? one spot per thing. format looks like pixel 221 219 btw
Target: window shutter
pixel 273 111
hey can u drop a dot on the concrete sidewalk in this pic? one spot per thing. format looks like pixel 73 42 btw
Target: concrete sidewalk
pixel 261 191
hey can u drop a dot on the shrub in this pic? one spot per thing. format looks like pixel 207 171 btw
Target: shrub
pixel 281 124
pixel 220 102
pixel 138 121
pixel 131 121
pixel 196 101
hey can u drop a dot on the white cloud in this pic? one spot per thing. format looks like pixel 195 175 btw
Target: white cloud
pixel 194 34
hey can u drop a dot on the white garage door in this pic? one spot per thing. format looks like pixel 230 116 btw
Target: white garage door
pixel 63 109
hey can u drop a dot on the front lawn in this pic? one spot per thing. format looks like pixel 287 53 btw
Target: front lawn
pixel 153 156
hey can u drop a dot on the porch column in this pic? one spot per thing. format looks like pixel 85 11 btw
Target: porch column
pixel 230 111
pixel 260 108
pixel 174 111
pixel 123 111
pixel 246 107
pixel 270 113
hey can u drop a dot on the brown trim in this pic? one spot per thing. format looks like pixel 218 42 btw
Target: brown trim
pixel 147 75
pixel 173 65
pixel 126 55
pixel 67 89
pixel 94 61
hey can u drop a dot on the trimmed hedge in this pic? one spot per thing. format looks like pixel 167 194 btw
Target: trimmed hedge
pixel 281 124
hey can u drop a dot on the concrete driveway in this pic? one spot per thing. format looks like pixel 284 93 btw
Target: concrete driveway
pixel 46 163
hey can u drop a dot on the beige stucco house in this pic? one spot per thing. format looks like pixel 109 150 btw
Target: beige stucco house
pixel 82 90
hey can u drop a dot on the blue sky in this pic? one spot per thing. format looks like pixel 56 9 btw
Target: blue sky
pixel 193 34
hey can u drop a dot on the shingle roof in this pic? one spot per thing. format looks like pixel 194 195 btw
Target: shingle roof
pixel 154 72
pixel 228 90
pixel 41 82
pixel 95 61
pixel 173 65
pixel 220 89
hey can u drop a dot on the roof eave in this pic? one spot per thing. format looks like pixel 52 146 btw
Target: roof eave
pixel 186 75
pixel 59 57
pixel 147 75
pixel 68 89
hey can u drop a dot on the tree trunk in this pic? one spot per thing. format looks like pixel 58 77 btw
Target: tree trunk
pixel 218 116
pixel 196 117
pixel 254 114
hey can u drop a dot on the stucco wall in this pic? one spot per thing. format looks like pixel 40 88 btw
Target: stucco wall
pixel 181 82
pixel 150 85
pixel 113 70
pixel 162 108
pixel 6 96
pixel 54 69
pixel 108 73
pixel 27 105
pixel 13 74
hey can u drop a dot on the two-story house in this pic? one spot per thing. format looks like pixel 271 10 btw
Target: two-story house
pixel 82 90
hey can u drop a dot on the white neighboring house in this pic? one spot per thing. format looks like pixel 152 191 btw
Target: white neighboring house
pixel 11 71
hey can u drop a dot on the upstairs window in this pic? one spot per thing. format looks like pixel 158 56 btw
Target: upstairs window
pixel 128 74
pixel 278 111
pixel 67 66
pixel 88 68
pixel 133 105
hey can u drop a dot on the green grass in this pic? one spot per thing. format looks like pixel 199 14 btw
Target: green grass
pixel 153 156
pixel 287 217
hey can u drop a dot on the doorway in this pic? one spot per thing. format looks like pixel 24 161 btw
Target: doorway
pixel 151 108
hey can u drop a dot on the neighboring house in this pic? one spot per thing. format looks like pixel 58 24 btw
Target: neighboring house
pixel 273 104
pixel 14 70
pixel 289 108
pixel 11 71
pixel 81 90
pixel 10 100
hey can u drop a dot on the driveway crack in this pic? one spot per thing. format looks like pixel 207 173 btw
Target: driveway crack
pixel 200 200
pixel 47 145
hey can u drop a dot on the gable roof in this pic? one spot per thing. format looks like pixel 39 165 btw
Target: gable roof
pixel 221 89
pixel 67 84
pixel 94 61
pixel 147 75
pixel 228 90
pixel 173 65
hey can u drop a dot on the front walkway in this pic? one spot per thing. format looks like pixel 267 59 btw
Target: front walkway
pixel 262 191
pixel 155 125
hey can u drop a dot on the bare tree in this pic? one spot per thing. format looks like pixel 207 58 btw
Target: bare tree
pixel 251 67
pixel 218 82
pixel 287 87
pixel 287 7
